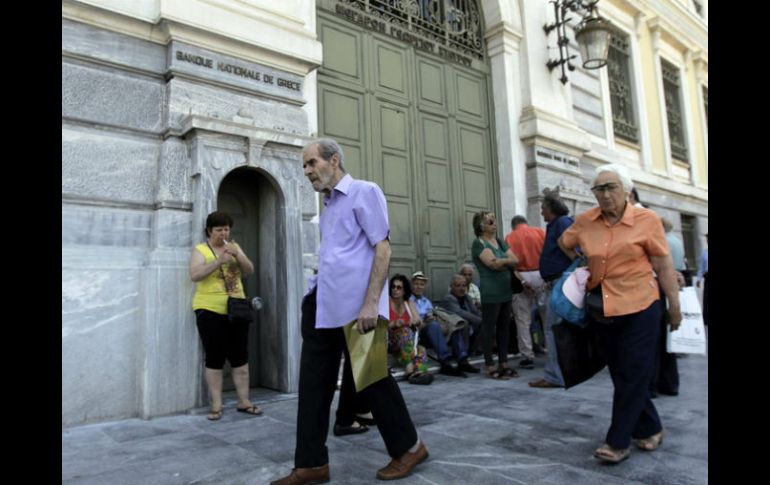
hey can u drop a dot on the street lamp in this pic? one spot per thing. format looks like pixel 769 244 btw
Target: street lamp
pixel 592 34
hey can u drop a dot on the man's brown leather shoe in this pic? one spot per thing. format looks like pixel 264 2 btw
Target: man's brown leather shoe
pixel 402 466
pixel 543 384
pixel 305 476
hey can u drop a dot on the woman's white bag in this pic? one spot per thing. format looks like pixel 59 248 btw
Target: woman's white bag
pixel 690 337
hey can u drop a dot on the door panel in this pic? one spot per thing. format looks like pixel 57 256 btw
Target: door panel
pixel 475 189
pixel 473 146
pixel 392 154
pixel 348 129
pixel 431 84
pixel 469 94
pixel 342 51
pixel 391 73
pixel 395 168
pixel 437 179
pixel 420 128
pixel 333 102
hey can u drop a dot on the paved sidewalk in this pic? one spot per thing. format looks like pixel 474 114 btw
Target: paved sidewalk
pixel 478 431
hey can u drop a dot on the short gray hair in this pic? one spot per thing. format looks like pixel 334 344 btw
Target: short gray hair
pixel 620 171
pixel 327 147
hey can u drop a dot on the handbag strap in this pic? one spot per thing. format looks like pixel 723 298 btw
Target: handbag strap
pixel 227 288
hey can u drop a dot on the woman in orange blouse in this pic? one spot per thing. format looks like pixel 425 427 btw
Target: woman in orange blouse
pixel 624 244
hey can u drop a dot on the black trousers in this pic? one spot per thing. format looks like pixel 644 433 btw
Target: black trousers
pixel 629 343
pixel 495 322
pixel 319 368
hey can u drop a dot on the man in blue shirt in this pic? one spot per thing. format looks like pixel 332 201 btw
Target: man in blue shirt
pixel 553 262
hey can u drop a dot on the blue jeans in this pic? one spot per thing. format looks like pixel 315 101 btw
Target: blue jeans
pixel 551 372
pixel 432 337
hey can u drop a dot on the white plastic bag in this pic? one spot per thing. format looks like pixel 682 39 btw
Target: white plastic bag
pixel 690 338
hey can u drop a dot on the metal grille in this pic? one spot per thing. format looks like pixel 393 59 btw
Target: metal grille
pixel 455 24
pixel 674 111
pixel 621 95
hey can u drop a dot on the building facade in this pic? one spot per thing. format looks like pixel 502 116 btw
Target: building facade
pixel 172 109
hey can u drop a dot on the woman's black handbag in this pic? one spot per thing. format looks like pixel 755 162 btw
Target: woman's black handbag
pixel 594 304
pixel 580 352
pixel 239 310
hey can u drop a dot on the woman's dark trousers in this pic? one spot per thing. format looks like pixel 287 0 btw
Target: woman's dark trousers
pixel 495 321
pixel 629 343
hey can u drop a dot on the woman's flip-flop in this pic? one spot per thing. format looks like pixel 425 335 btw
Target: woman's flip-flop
pixel 214 415
pixel 253 410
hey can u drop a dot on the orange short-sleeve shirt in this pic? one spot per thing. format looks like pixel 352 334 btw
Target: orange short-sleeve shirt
pixel 526 243
pixel 619 256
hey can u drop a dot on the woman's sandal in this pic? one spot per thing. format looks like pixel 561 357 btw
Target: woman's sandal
pixel 214 415
pixel 497 373
pixel 611 455
pixel 253 410
pixel 652 443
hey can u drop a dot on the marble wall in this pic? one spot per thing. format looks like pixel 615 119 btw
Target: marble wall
pixel 145 147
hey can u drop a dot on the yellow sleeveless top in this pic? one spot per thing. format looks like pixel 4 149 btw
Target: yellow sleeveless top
pixel 210 292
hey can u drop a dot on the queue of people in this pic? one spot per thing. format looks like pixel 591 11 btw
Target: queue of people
pixel 631 269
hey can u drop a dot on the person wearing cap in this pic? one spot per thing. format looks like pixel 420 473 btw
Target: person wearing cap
pixel 432 336
pixel 349 289
pixel 623 245
pixel 423 304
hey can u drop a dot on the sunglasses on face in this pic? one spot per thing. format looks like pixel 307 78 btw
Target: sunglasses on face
pixel 396 287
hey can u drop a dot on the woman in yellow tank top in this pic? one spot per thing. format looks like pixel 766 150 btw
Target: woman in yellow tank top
pixel 217 267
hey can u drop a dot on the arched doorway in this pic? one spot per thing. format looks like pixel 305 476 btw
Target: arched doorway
pixel 250 197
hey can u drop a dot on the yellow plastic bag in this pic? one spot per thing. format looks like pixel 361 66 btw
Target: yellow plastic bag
pixel 368 353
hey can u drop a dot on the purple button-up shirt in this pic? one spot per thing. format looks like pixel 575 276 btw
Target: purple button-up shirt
pixel 354 221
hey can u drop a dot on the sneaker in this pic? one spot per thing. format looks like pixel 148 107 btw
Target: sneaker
pixel 527 364
pixel 466 366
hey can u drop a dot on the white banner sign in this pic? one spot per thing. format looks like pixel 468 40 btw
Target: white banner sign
pixel 690 338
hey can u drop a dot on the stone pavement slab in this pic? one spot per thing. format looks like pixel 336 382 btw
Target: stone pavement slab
pixel 479 431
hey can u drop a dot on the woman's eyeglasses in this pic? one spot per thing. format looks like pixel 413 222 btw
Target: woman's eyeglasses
pixel 610 187
pixel 396 287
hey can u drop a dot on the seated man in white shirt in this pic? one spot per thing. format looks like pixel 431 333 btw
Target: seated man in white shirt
pixel 474 293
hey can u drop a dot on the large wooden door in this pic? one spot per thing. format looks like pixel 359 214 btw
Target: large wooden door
pixel 420 128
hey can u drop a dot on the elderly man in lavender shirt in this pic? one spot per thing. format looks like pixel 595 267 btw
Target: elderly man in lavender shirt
pixel 350 286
